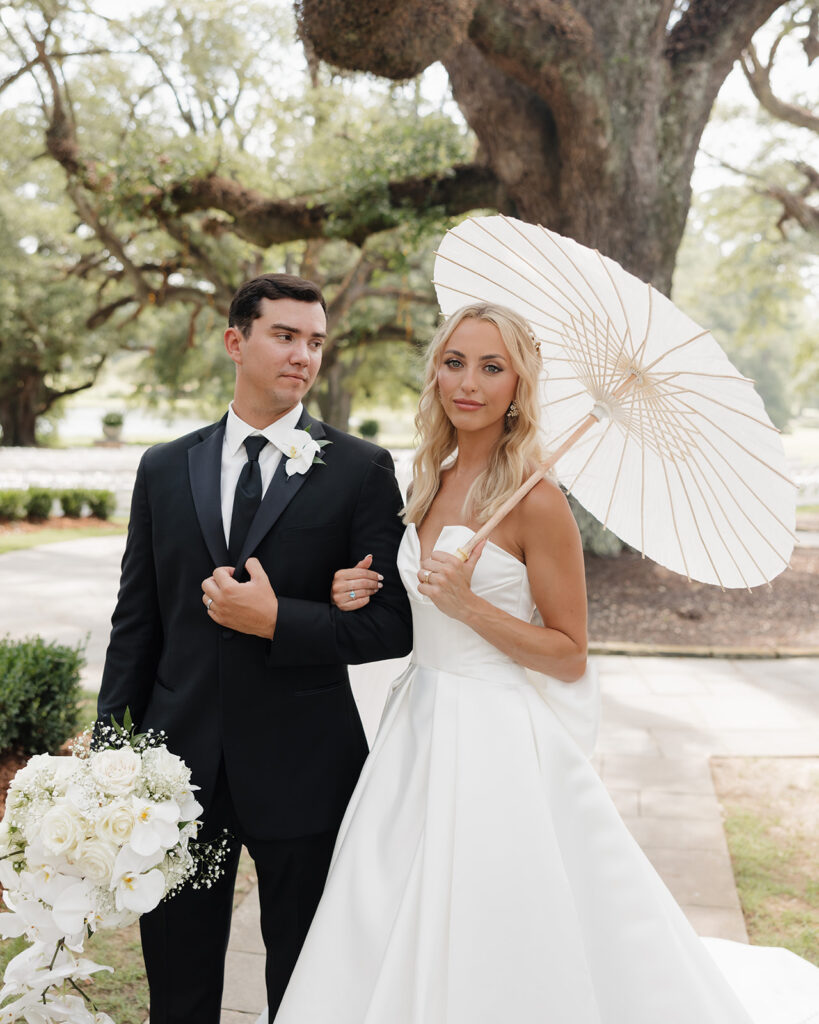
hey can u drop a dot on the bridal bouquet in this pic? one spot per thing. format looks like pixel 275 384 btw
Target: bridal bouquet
pixel 90 841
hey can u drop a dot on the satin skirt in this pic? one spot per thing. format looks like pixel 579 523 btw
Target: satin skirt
pixel 483 875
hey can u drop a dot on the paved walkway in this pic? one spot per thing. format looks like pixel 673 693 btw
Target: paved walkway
pixel 662 719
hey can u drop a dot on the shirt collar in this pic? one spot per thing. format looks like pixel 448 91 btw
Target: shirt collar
pixel 236 430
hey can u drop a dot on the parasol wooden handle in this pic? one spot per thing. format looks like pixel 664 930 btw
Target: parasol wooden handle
pixel 464 552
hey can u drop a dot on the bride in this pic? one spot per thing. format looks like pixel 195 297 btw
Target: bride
pixel 481 874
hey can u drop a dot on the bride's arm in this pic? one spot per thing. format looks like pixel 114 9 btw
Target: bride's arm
pixel 550 541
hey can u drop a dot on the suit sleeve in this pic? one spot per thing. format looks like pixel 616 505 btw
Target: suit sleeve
pixel 316 632
pixel 136 630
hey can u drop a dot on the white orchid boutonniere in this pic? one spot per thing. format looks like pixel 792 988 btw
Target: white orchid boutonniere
pixel 301 451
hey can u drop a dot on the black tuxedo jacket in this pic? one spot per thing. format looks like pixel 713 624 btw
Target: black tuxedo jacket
pixel 281 712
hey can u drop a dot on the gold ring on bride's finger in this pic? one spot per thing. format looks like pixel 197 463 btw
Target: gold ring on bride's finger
pixel 428 574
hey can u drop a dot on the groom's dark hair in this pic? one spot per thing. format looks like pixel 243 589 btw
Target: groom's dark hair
pixel 244 308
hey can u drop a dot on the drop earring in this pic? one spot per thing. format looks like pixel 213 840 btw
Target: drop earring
pixel 512 412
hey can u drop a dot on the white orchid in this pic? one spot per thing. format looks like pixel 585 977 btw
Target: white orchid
pixel 300 449
pixel 140 893
pixel 155 827
pixel 74 908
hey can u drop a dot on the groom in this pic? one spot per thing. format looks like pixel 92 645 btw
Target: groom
pixel 224 636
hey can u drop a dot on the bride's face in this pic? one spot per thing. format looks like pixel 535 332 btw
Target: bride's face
pixel 476 380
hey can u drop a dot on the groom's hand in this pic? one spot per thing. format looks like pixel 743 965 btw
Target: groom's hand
pixel 250 607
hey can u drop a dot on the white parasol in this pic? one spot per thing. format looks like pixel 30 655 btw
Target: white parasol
pixel 648 423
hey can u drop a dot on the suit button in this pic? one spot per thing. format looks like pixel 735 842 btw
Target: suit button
pixel 227 634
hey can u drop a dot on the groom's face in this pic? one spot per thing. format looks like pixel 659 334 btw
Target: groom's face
pixel 278 360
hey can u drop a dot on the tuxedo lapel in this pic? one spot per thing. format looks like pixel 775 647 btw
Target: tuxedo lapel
pixel 205 472
pixel 279 494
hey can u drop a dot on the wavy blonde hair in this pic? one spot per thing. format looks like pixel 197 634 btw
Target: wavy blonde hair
pixel 518 450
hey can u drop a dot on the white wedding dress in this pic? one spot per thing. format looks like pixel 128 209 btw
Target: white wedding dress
pixel 483 876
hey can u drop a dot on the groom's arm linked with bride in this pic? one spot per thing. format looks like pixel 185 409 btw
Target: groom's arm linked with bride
pixel 248 677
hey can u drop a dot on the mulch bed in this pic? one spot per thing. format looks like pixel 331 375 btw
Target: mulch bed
pixel 54 523
pixel 633 599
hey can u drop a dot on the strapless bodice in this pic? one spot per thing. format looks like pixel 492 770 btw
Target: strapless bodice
pixel 444 643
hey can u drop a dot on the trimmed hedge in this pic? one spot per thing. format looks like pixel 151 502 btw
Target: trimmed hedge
pixel 72 501
pixel 12 504
pixel 39 502
pixel 103 504
pixel 39 694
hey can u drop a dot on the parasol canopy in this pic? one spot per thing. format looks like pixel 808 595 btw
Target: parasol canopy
pixel 648 423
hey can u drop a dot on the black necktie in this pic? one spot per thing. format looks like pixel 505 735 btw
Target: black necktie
pixel 247 497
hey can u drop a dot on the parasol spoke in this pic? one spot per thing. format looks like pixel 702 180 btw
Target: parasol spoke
pixel 676 348
pixel 557 269
pixel 502 266
pixel 482 298
pixel 675 463
pixel 616 483
pixel 730 408
pixel 743 483
pixel 727 519
pixel 739 508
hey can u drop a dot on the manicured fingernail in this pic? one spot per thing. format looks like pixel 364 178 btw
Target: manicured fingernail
pixel 380 576
pixel 380 585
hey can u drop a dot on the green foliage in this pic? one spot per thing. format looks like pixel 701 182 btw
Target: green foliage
pixel 113 419
pixel 368 428
pixel 39 502
pixel 39 694
pixel 102 504
pixel 184 92
pixel 597 540
pixel 73 501
pixel 12 504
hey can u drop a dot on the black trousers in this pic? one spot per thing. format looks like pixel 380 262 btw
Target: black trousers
pixel 184 941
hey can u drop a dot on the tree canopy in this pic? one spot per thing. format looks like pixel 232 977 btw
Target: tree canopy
pixel 184 148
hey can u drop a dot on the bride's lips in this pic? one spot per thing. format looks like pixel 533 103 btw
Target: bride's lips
pixel 466 405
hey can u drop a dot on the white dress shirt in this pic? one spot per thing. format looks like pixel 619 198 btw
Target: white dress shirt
pixel 234 455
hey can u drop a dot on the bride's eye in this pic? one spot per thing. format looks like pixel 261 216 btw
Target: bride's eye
pixel 453 363
pixel 493 368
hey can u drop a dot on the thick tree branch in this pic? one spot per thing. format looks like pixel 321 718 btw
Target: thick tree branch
pixel 717 30
pixel 758 76
pixel 264 221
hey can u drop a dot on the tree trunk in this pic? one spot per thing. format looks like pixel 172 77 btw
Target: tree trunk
pixel 589 112
pixel 19 407
pixel 331 392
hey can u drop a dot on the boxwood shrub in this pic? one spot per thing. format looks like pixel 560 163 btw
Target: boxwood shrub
pixel 39 694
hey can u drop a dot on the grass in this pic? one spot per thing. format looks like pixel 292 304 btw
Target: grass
pixel 34 538
pixel 773 851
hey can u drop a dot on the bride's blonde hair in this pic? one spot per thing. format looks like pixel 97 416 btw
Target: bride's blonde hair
pixel 517 451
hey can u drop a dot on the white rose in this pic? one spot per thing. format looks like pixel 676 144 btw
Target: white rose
pixel 116 771
pixel 97 860
pixel 64 770
pixel 116 823
pixel 61 830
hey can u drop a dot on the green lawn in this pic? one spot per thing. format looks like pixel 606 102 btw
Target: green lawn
pixel 771 809
pixel 11 541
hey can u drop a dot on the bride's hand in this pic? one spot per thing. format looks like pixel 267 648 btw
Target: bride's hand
pixel 353 588
pixel 447 581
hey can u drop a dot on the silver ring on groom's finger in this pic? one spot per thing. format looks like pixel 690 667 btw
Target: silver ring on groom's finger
pixel 210 602
pixel 352 595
